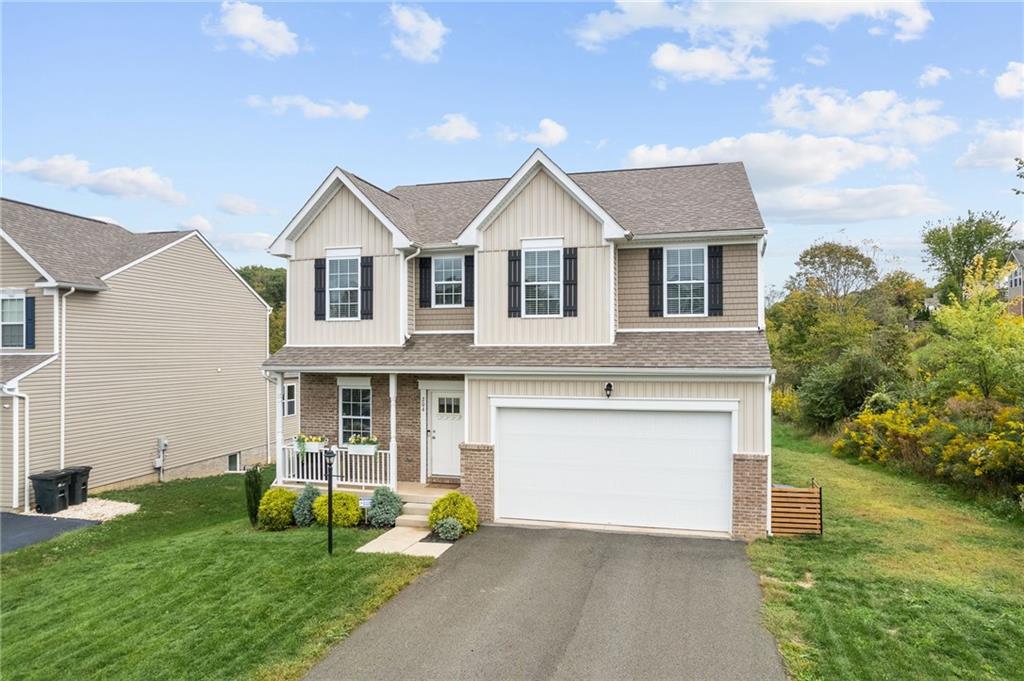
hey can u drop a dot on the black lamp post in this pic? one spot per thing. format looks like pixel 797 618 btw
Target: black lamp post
pixel 329 455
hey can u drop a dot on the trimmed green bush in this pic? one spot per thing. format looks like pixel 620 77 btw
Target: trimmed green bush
pixel 448 529
pixel 346 509
pixel 385 507
pixel 276 509
pixel 454 505
pixel 303 510
pixel 253 492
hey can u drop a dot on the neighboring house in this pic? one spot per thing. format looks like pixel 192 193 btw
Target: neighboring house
pixel 1014 291
pixel 113 340
pixel 583 348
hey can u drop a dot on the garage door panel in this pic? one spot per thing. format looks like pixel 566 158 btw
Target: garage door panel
pixel 642 468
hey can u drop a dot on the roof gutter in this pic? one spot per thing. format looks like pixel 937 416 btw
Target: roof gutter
pixel 15 395
pixel 700 234
pixel 63 366
pixel 533 371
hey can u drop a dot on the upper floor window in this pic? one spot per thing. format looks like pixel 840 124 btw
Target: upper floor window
pixel 542 282
pixel 448 281
pixel 12 319
pixel 1017 277
pixel 288 400
pixel 343 288
pixel 685 281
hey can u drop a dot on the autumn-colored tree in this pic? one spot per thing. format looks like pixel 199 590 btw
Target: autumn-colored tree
pixel 951 247
pixel 833 270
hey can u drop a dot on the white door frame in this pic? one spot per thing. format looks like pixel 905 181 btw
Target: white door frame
pixel 730 406
pixel 426 387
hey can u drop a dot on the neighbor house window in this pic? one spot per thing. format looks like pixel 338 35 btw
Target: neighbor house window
pixel 1017 277
pixel 12 319
pixel 288 400
pixel 448 281
pixel 343 288
pixel 685 281
pixel 542 282
pixel 234 462
pixel 356 411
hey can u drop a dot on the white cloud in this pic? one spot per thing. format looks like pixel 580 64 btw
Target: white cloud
pixel 456 128
pixel 254 32
pixel 328 108
pixel 777 159
pixel 932 75
pixel 419 36
pixel 196 222
pixel 881 114
pixel 244 241
pixel 996 148
pixel 236 204
pixel 1010 84
pixel 710 63
pixel 549 133
pixel 817 56
pixel 69 171
pixel 812 205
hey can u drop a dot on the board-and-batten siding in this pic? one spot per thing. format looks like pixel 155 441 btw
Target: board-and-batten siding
pixel 43 389
pixel 16 272
pixel 345 223
pixel 739 291
pixel 542 208
pixel 750 395
pixel 173 350
pixel 437 318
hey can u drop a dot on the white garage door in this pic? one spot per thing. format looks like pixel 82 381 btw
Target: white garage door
pixel 665 469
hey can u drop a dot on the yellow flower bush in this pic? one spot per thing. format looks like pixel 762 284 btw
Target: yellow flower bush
pixel 784 403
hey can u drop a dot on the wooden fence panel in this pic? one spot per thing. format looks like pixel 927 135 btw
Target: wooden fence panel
pixel 796 511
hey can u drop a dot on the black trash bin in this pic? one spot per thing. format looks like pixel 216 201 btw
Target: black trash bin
pixel 78 486
pixel 51 490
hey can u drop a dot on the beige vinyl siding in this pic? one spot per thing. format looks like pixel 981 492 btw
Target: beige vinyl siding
pixel 173 350
pixel 345 223
pixel 16 272
pixel 43 390
pixel 739 291
pixel 411 296
pixel 437 318
pixel 543 209
pixel 750 395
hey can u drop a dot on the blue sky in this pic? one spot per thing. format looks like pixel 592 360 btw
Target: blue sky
pixel 858 122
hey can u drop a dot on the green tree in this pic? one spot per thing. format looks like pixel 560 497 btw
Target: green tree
pixel 901 289
pixel 833 270
pixel 271 284
pixel 952 246
pixel 277 328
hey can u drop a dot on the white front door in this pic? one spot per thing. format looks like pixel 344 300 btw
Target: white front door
pixel 444 432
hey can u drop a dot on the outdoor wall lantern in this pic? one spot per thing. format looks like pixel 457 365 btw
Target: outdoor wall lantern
pixel 608 387
pixel 329 455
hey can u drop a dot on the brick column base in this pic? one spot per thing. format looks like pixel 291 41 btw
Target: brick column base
pixel 478 477
pixel 749 496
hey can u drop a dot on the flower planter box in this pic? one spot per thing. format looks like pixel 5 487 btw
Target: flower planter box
pixel 363 450
pixel 311 447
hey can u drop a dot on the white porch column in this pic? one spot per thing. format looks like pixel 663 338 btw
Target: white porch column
pixel 393 421
pixel 15 449
pixel 278 424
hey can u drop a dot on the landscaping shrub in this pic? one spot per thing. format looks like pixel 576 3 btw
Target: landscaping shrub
pixel 457 506
pixel 346 509
pixel 253 492
pixel 276 509
pixel 833 392
pixel 448 529
pixel 385 507
pixel 784 403
pixel 303 510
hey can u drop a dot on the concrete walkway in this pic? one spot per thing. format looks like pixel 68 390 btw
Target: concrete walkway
pixel 513 603
pixel 17 530
pixel 407 540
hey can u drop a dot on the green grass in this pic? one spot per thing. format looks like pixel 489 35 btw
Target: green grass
pixel 910 580
pixel 185 589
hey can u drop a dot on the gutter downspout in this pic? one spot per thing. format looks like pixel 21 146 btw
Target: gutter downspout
pixel 405 294
pixel 14 394
pixel 63 365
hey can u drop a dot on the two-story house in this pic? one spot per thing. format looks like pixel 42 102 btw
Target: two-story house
pixel 583 349
pixel 1014 290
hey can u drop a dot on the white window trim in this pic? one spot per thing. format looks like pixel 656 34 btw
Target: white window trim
pixel 15 294
pixel 535 245
pixel 434 282
pixel 241 467
pixel 353 383
pixel 294 400
pixel 343 254
pixel 665 282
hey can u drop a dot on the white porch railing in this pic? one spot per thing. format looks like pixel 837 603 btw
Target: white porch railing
pixel 354 470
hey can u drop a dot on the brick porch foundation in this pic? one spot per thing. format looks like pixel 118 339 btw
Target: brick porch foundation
pixel 478 477
pixel 749 496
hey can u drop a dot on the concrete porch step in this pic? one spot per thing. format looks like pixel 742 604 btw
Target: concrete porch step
pixel 411 520
pixel 426 497
pixel 416 508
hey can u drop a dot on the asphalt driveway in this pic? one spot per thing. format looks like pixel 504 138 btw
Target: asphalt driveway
pixel 18 530
pixel 511 603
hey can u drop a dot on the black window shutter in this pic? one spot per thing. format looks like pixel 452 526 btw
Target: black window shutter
pixel 513 283
pixel 655 282
pixel 715 298
pixel 366 287
pixel 469 290
pixel 30 323
pixel 320 289
pixel 426 276
pixel 569 278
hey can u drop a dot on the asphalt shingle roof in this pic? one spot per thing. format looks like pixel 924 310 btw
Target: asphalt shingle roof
pixel 703 350
pixel 76 250
pixel 12 366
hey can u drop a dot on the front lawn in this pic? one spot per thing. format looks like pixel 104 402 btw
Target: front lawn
pixel 908 582
pixel 184 589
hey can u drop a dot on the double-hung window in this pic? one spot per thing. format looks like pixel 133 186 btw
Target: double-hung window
pixel 542 279
pixel 448 281
pixel 288 400
pixel 12 319
pixel 343 287
pixel 355 403
pixel 685 281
